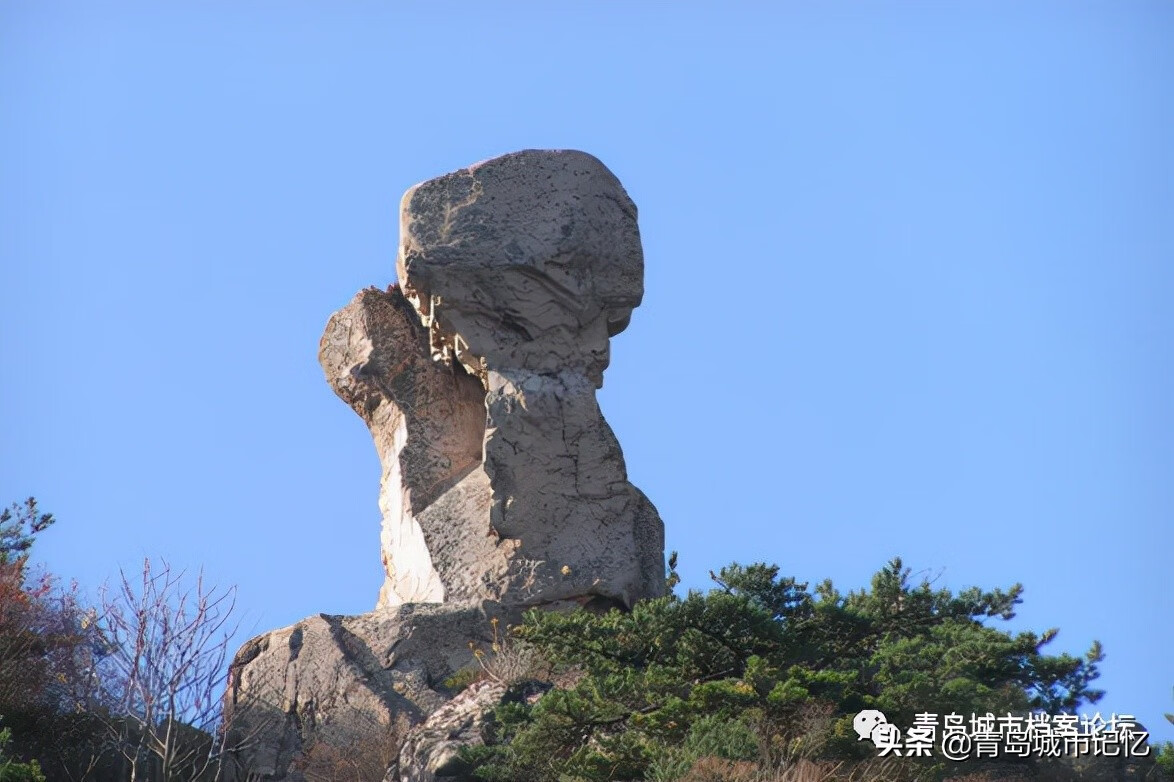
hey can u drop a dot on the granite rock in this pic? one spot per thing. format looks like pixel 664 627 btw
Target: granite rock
pixel 337 679
pixel 502 488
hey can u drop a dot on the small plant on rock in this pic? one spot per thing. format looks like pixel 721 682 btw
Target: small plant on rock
pixel 509 660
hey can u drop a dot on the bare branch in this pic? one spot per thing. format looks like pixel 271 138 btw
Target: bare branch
pixel 169 635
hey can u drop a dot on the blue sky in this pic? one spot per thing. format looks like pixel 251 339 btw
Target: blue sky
pixel 908 268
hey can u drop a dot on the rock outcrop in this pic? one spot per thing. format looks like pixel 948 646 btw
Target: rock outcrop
pixel 340 679
pixel 501 479
pixel 428 422
pixel 503 487
pixel 432 750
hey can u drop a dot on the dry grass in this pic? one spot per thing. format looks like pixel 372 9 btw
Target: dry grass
pixel 510 661
pixel 720 770
pixel 710 769
pixel 364 759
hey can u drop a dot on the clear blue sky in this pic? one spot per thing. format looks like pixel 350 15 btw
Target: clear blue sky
pixel 909 280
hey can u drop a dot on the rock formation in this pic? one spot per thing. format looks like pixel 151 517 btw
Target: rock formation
pixel 340 679
pixel 503 487
pixel 432 750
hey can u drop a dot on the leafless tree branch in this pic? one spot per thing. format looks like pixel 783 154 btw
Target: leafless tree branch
pixel 167 672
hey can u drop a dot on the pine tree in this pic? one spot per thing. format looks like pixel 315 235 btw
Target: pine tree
pixel 761 668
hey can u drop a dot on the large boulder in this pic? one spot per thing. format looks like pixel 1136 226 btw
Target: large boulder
pixel 337 680
pixel 503 487
pixel 526 261
pixel 477 378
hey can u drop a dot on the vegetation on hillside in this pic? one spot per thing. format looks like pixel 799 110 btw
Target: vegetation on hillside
pixel 127 690
pixel 760 677
pixel 756 680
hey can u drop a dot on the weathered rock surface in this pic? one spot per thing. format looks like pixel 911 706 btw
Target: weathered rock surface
pixel 340 678
pixel 428 422
pixel 503 487
pixel 521 268
pixel 527 261
pixel 501 479
pixel 432 749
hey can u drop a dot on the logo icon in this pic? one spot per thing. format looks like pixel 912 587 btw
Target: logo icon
pixel 866 722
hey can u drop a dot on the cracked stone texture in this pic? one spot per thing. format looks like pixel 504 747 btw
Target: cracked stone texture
pixel 521 268
pixel 432 750
pixel 428 423
pixel 527 261
pixel 343 678
pixel 503 487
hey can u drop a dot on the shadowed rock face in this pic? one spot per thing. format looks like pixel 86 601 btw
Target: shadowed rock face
pixel 503 486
